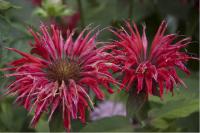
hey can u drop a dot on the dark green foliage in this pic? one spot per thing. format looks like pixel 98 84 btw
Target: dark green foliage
pixel 110 124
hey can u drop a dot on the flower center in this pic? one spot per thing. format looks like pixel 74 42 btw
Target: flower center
pixel 63 70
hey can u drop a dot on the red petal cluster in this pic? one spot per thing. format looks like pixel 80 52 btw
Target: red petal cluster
pixel 35 91
pixel 150 72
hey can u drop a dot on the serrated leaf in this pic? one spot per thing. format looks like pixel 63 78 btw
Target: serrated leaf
pixel 110 124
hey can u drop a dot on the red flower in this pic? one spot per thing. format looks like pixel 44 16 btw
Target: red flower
pixel 152 71
pixel 37 2
pixel 73 20
pixel 67 22
pixel 59 75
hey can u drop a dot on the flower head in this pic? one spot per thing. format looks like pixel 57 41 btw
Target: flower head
pixel 72 21
pixel 67 22
pixel 37 2
pixel 58 74
pixel 150 71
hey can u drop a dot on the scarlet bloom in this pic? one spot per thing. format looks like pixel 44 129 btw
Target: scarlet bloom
pixel 72 21
pixel 152 71
pixel 58 75
pixel 37 2
pixel 67 22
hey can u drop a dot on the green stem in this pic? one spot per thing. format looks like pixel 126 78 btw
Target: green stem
pixel 137 107
pixel 81 13
pixel 56 123
pixel 1 51
pixel 64 1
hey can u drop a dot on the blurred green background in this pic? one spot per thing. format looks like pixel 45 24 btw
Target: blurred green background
pixel 175 113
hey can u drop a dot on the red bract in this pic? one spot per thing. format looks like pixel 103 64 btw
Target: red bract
pixel 58 75
pixel 151 71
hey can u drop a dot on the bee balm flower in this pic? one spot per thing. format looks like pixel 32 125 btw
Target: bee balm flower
pixel 150 71
pixel 59 74
pixel 37 2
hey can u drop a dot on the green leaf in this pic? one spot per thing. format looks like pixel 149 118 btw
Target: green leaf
pixel 40 12
pixel 189 123
pixel 42 125
pixel 137 106
pixel 12 118
pixel 4 5
pixel 109 124
pixel 173 110
pixel 66 12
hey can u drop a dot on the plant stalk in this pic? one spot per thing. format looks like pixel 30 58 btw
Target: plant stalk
pixel 130 12
pixel 80 7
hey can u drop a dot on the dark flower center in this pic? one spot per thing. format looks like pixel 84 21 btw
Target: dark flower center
pixel 63 70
